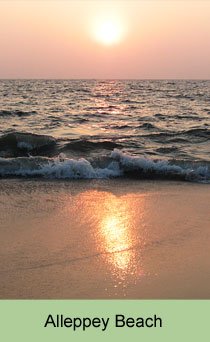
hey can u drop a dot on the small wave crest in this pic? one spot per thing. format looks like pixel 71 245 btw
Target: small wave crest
pixel 25 141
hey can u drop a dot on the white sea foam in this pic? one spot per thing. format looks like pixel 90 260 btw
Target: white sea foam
pixel 119 164
pixel 145 164
pixel 161 168
pixel 59 168
pixel 77 169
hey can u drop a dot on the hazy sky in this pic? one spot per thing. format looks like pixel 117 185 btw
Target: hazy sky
pixel 105 39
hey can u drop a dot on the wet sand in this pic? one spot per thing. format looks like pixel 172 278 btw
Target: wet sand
pixel 104 239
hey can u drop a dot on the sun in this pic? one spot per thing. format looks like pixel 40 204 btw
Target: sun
pixel 108 32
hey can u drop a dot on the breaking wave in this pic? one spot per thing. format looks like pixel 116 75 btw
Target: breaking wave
pixel 57 168
pixel 118 164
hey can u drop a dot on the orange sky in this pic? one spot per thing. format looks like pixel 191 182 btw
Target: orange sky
pixel 63 39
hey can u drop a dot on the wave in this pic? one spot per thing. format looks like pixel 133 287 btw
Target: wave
pixel 198 134
pixel 16 113
pixel 148 125
pixel 118 126
pixel 25 141
pixel 19 144
pixel 118 164
pixel 192 117
pixel 139 168
pixel 85 145
pixel 167 149
pixel 56 168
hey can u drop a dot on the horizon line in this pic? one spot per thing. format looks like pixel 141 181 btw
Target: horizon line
pixel 102 79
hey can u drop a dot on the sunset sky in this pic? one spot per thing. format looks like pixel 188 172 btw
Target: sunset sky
pixel 105 39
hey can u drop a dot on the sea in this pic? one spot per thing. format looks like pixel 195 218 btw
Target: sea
pixel 87 129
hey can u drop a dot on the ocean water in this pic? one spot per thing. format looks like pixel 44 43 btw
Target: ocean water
pixel 105 128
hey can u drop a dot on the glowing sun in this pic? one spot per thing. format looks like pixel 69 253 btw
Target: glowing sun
pixel 108 32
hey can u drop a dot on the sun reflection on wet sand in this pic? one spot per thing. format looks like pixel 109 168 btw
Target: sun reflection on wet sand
pixel 118 232
pixel 118 236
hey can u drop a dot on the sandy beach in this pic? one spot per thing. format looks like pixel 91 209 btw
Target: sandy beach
pixel 104 239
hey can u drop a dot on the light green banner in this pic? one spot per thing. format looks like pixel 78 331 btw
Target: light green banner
pixel 96 320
